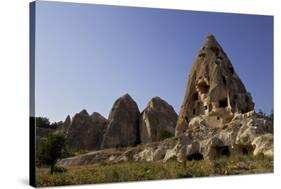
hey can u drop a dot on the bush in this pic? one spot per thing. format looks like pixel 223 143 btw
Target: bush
pixel 58 169
pixel 42 122
pixel 163 134
pixel 50 150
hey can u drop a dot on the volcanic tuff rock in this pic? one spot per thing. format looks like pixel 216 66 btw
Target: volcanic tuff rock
pixel 247 134
pixel 63 129
pixel 85 132
pixel 122 129
pixel 157 121
pixel 213 89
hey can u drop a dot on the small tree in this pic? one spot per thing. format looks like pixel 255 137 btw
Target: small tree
pixel 50 150
pixel 42 122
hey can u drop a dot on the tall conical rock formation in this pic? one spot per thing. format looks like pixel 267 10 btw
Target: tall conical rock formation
pixel 123 128
pixel 213 89
pixel 158 121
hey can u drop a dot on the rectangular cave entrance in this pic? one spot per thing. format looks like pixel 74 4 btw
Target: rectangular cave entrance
pixel 223 103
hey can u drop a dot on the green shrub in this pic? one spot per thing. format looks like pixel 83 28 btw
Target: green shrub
pixel 163 134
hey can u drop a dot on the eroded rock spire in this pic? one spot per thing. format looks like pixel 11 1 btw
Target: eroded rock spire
pixel 213 89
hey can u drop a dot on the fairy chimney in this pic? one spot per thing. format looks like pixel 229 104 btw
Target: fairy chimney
pixel 213 90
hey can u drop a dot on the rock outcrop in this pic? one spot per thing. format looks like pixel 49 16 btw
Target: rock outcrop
pixel 63 129
pixel 158 121
pixel 213 89
pixel 85 132
pixel 123 124
pixel 246 134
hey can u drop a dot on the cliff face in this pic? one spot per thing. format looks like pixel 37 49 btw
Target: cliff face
pixel 213 89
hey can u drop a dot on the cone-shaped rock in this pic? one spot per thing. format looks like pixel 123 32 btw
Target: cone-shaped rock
pixel 85 132
pixel 122 129
pixel 213 89
pixel 157 121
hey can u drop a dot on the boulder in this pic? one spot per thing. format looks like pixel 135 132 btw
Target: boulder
pixel 157 121
pixel 263 145
pixel 123 124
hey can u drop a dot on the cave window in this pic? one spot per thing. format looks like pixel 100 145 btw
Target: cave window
pixel 247 99
pixel 223 103
pixel 231 70
pixel 243 111
pixel 245 151
pixel 219 58
pixel 202 55
pixel 203 87
pixel 195 96
pixel 218 118
pixel 215 50
pixel 219 151
pixel 195 156
pixel 206 107
pixel 194 111
pixel 223 80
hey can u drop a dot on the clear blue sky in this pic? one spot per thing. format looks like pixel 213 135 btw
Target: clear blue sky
pixel 89 55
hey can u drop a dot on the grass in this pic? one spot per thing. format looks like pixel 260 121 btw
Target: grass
pixel 138 171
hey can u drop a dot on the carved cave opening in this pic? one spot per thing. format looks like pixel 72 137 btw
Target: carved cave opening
pixel 202 55
pixel 231 70
pixel 203 87
pixel 224 80
pixel 223 103
pixel 195 156
pixel 210 107
pixel 220 151
pixel 195 96
pixel 245 149
pixel 194 111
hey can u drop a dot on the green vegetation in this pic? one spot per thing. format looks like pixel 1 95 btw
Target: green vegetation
pixel 50 150
pixel 137 171
pixel 42 122
pixel 163 134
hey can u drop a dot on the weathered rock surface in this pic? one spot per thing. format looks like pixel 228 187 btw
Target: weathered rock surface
pixel 123 128
pixel 63 129
pixel 85 132
pixel 246 134
pixel 157 121
pixel 213 89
